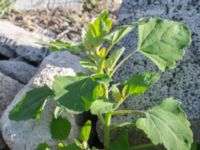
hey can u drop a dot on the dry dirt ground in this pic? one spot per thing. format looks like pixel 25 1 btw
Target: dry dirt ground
pixel 63 24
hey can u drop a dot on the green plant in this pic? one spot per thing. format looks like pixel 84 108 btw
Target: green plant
pixel 4 7
pixel 162 41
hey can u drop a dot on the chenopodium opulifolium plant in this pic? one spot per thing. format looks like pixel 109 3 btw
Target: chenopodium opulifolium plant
pixel 162 41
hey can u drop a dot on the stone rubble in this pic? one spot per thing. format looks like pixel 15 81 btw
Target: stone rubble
pixel 21 43
pixel 26 135
pixel 8 89
pixel 18 70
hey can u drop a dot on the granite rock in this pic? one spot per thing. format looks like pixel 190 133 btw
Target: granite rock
pixel 18 70
pixel 24 44
pixel 6 51
pixel 26 135
pixel 8 89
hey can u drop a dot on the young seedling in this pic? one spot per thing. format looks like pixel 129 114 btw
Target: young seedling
pixel 162 41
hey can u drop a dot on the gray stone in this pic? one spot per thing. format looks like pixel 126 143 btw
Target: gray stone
pixel 8 89
pixel 6 51
pixel 18 70
pixel 2 144
pixel 26 135
pixel 44 4
pixel 25 44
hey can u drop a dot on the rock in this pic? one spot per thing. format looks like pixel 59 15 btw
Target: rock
pixel 183 82
pixel 3 145
pixel 6 51
pixel 26 135
pixel 18 70
pixel 23 43
pixel 46 4
pixel 8 89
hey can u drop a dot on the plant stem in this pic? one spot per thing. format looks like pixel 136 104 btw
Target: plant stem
pixel 109 48
pixel 121 62
pixel 101 119
pixel 107 131
pixel 117 112
pixel 142 146
pixel 133 124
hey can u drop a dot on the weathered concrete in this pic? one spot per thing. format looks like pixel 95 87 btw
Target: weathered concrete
pixel 183 82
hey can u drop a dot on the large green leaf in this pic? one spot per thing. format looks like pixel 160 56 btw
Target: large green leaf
pixel 31 105
pixel 60 128
pixel 99 107
pixel 121 143
pixel 121 31
pixel 166 124
pixel 43 146
pixel 139 83
pixel 163 41
pixel 85 131
pixel 114 58
pixel 76 93
pixel 97 29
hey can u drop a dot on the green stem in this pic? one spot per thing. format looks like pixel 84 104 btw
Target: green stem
pixel 142 146
pixel 101 119
pixel 121 62
pixel 107 131
pixel 118 112
pixel 130 124
pixel 109 48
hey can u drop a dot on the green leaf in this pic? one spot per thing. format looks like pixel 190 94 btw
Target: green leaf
pixel 88 65
pixel 163 41
pixel 116 94
pixel 99 107
pixel 58 111
pixel 121 143
pixel 97 29
pixel 43 146
pixel 166 124
pixel 122 31
pixel 76 93
pixel 31 105
pixel 119 33
pixel 71 147
pixel 60 128
pixel 195 146
pixel 85 131
pixel 139 83
pixel 75 48
pixel 114 58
